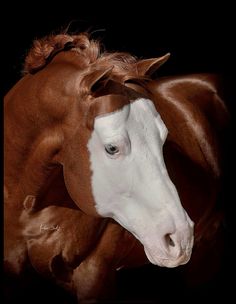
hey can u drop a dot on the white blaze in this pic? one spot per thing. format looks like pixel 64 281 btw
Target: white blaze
pixel 133 186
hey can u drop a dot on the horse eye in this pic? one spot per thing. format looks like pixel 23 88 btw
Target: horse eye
pixel 111 149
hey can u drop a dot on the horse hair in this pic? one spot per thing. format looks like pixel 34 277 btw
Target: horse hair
pixel 90 51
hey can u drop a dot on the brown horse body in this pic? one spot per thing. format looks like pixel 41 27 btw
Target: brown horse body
pixel 45 227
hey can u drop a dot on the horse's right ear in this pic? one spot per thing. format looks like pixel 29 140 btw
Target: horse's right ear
pixel 96 80
pixel 147 67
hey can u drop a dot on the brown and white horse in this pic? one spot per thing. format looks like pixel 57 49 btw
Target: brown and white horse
pixel 84 136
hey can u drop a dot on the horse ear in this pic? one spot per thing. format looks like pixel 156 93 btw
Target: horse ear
pixel 96 79
pixel 147 67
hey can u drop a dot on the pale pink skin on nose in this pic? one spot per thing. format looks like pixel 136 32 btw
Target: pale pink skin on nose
pixel 132 185
pixel 174 249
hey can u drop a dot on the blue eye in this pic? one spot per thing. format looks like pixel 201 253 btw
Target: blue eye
pixel 111 149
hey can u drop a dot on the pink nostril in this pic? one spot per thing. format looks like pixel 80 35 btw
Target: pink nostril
pixel 169 241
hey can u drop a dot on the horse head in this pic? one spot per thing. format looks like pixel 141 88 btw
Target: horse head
pixel 111 147
pixel 130 182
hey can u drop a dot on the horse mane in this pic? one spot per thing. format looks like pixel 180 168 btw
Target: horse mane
pixel 44 49
pixel 88 50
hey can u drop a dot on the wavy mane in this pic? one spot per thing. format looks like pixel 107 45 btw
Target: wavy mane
pixel 88 50
pixel 43 50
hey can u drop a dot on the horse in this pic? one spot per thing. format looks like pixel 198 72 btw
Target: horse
pixel 107 167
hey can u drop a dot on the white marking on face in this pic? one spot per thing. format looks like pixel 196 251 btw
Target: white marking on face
pixel 131 184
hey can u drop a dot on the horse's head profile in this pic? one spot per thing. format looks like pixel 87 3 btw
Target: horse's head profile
pixel 111 151
pixel 130 182
pixel 93 114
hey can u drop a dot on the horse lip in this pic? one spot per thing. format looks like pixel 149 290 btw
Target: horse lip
pixel 168 261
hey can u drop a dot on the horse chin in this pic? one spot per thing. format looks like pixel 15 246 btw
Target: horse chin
pixel 165 261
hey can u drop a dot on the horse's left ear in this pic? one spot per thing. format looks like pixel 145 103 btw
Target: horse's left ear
pixel 147 67
pixel 95 80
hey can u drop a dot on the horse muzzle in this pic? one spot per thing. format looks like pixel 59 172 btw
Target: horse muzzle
pixel 171 250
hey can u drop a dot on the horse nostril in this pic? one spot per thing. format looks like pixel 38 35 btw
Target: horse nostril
pixel 169 241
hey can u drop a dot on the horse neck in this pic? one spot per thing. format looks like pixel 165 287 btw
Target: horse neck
pixel 29 146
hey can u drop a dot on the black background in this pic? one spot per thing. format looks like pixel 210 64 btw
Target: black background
pixel 200 37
